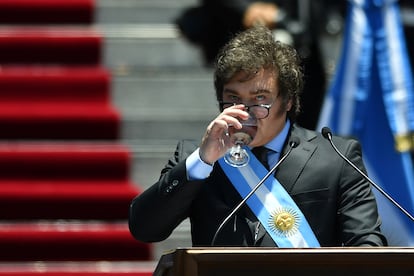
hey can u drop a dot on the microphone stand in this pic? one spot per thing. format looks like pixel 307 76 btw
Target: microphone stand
pixel 326 132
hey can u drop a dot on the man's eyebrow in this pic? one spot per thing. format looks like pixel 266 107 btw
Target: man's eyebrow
pixel 257 91
pixel 261 90
pixel 227 90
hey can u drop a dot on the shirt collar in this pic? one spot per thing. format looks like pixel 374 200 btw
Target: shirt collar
pixel 277 143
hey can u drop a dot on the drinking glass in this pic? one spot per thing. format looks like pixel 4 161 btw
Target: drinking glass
pixel 237 156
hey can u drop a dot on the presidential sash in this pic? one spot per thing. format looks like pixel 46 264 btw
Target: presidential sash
pixel 271 204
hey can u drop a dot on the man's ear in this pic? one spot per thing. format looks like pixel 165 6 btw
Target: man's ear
pixel 289 105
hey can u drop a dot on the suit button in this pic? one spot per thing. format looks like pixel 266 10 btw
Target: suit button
pixel 175 182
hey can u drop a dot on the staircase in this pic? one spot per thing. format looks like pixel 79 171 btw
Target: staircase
pixel 160 85
pixel 70 143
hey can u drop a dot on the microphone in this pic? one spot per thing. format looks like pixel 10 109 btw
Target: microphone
pixel 327 134
pixel 294 142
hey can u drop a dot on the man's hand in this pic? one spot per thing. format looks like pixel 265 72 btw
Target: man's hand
pixel 260 13
pixel 216 140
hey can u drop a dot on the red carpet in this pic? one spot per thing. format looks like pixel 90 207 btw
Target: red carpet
pixel 56 102
pixel 55 84
pixel 65 184
pixel 57 268
pixel 70 241
pixel 64 161
pixel 71 46
pixel 96 270
pixel 46 11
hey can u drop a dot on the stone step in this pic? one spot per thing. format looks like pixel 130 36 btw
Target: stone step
pixel 163 129
pixel 165 104
pixel 124 47
pixel 143 33
pixel 153 46
pixel 158 85
pixel 141 11
pixel 165 95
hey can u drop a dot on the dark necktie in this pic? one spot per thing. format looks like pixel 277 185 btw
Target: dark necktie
pixel 254 224
pixel 261 155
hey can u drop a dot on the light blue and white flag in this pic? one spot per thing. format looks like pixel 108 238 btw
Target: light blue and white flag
pixel 371 98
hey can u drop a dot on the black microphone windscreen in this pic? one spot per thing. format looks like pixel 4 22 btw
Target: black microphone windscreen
pixel 326 132
pixel 294 142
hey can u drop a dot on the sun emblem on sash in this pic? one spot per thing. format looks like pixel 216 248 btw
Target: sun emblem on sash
pixel 284 221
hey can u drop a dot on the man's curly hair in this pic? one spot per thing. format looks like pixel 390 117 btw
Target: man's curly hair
pixel 254 49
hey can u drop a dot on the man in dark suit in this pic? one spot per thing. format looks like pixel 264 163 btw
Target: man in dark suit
pixel 253 72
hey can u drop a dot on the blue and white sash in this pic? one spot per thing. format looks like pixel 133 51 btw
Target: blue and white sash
pixel 272 205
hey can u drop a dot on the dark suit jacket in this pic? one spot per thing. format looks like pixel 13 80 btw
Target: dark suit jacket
pixel 337 202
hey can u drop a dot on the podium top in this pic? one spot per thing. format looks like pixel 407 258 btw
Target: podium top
pixel 268 261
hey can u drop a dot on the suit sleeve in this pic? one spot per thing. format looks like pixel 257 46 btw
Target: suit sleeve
pixel 357 211
pixel 155 213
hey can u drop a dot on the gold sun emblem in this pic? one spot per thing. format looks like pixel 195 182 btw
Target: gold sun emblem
pixel 284 222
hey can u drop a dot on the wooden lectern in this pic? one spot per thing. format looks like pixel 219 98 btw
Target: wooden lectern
pixel 214 261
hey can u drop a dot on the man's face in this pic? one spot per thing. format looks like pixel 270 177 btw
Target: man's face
pixel 262 88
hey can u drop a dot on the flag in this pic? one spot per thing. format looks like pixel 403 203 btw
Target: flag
pixel 371 97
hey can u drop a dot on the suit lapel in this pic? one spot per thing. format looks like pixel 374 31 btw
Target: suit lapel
pixel 291 168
